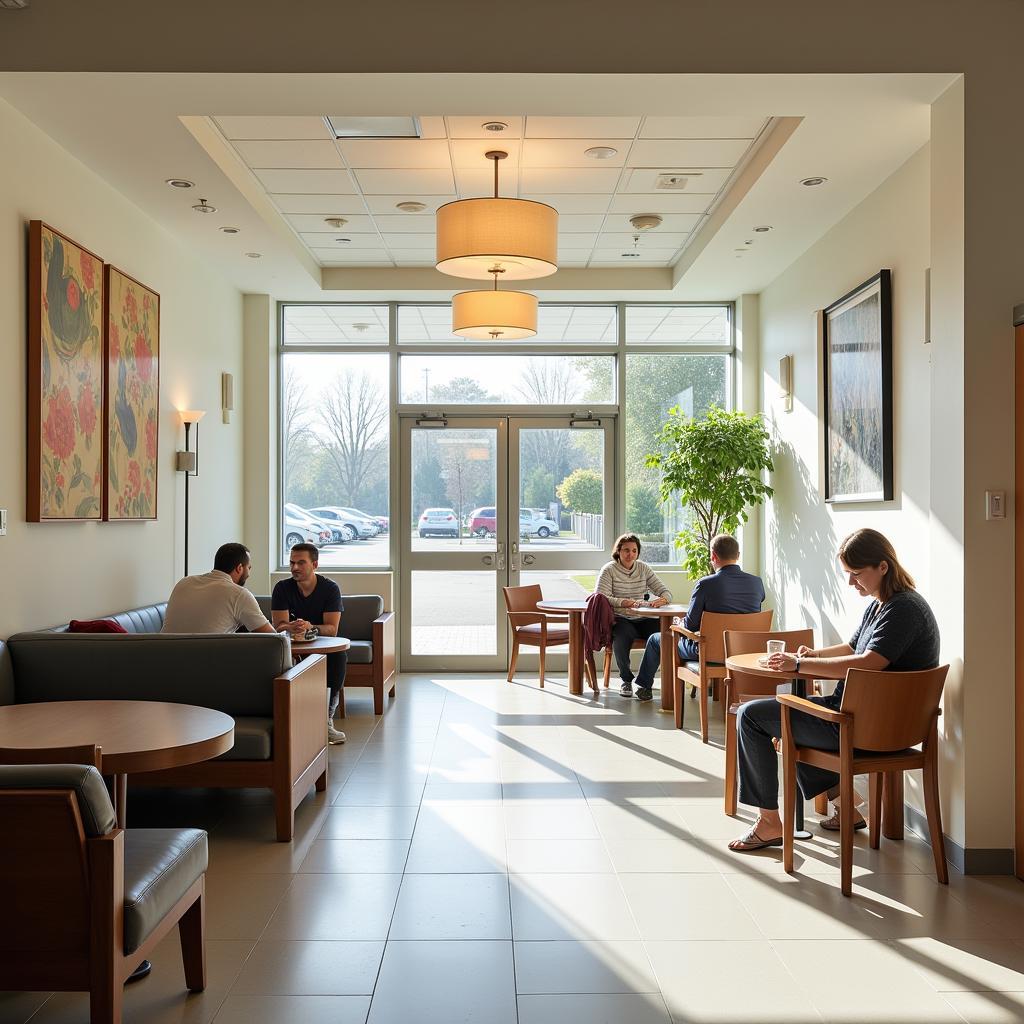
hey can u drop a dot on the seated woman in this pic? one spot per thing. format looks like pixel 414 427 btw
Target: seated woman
pixel 625 580
pixel 898 633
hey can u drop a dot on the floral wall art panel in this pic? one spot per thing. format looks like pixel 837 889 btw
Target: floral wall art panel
pixel 65 379
pixel 132 397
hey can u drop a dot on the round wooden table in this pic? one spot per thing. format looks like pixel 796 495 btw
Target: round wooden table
pixel 320 645
pixel 133 735
pixel 665 614
pixel 574 609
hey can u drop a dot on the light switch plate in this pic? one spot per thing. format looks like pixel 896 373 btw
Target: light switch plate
pixel 995 504
pixel 3 522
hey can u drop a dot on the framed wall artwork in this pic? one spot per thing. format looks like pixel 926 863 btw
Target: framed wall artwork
pixel 857 364
pixel 132 403
pixel 65 379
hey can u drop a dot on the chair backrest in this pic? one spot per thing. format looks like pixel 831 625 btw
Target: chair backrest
pixel 522 599
pixel 46 814
pixel 714 624
pixel 88 754
pixel 744 685
pixel 892 710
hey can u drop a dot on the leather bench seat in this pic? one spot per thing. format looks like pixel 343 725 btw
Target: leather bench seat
pixel 159 866
pixel 254 740
pixel 360 652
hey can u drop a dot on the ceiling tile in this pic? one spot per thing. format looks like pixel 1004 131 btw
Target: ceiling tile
pixel 670 222
pixel 581 204
pixel 702 180
pixel 605 253
pixel 581 127
pixel 569 180
pixel 324 205
pixel 246 127
pixel 701 127
pixel 577 240
pixel 336 182
pixel 568 222
pixel 327 240
pixel 571 152
pixel 413 257
pixel 608 262
pixel 314 222
pixel 389 204
pixel 405 223
pixel 423 182
pixel 396 153
pixel 688 153
pixel 472 128
pixel 410 241
pixel 656 239
pixel 470 154
pixel 660 202
pixel 349 255
pixel 432 127
pixel 479 184
pixel 290 154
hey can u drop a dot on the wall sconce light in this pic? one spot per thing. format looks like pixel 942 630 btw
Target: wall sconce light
pixel 188 460
pixel 786 382
pixel 227 395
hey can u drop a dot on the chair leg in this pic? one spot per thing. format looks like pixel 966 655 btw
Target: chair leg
pixel 874 809
pixel 515 657
pixel 106 997
pixel 540 654
pixel 341 703
pixel 607 666
pixel 730 765
pixel 821 804
pixel 934 812
pixel 677 701
pixel 284 815
pixel 703 699
pixel 789 794
pixel 192 934
pixel 846 833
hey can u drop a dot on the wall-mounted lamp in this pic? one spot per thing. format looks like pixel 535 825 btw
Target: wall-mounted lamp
pixel 786 382
pixel 227 395
pixel 188 460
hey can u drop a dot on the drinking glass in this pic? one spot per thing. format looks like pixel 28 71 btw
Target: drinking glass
pixel 776 647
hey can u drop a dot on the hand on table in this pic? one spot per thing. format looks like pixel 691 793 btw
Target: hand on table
pixel 658 602
pixel 299 627
pixel 782 662
pixel 804 652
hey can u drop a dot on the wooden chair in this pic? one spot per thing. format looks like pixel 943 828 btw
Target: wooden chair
pixel 636 645
pixel 882 718
pixel 530 627
pixel 741 687
pixel 711 664
pixel 78 914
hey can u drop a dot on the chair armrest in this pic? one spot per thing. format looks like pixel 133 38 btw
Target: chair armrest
pixel 810 708
pixel 681 630
pixel 300 710
pixel 383 637
pixel 525 618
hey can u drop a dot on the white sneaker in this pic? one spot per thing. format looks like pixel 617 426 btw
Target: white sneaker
pixel 334 735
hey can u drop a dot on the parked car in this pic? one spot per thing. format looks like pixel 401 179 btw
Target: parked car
pixel 438 522
pixel 482 521
pixel 372 520
pixel 358 526
pixel 335 534
pixel 300 529
pixel 384 523
pixel 536 526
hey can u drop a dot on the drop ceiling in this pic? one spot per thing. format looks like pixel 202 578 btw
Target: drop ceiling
pixel 309 176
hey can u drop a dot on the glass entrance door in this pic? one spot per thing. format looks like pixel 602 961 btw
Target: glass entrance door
pixel 454 544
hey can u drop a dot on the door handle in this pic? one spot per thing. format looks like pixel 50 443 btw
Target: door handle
pixel 528 559
pixel 488 560
pixel 501 555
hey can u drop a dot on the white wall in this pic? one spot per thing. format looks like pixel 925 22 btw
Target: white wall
pixel 56 571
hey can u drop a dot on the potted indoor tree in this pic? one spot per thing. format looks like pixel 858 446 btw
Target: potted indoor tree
pixel 713 466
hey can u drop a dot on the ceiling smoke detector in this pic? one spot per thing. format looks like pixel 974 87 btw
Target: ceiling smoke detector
pixel 600 152
pixel 761 228
pixel 254 255
pixel 675 181
pixel 812 182
pixel 494 126
pixel 204 207
pixel 411 206
pixel 180 183
pixel 645 221
pixel 335 222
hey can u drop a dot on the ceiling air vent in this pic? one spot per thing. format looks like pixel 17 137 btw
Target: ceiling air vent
pixel 374 127
pixel 675 181
pixel 13 5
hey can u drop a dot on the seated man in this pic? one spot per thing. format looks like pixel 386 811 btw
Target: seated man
pixel 730 591
pixel 306 600
pixel 217 601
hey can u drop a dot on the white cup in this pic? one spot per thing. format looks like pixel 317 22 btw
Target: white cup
pixel 776 647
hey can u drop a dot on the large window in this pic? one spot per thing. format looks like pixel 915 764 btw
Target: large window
pixel 335 447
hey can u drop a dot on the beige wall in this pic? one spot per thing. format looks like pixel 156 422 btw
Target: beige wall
pixel 56 571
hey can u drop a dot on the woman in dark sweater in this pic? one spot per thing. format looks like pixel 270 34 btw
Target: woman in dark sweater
pixel 898 633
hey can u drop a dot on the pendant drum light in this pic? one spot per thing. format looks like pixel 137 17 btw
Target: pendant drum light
pixel 494 315
pixel 517 237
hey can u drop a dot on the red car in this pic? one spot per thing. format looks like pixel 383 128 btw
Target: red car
pixel 483 521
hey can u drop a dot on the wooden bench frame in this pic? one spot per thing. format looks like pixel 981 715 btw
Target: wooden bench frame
pixel 379 672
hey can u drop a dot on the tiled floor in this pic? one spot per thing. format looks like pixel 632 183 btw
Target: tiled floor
pixel 490 854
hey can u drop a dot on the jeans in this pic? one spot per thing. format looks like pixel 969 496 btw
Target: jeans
pixel 624 632
pixel 756 723
pixel 652 658
pixel 336 665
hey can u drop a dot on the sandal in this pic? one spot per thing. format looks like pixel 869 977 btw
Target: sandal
pixel 832 824
pixel 752 841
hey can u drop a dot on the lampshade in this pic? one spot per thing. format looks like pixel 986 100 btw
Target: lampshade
pixel 191 415
pixel 474 236
pixel 494 315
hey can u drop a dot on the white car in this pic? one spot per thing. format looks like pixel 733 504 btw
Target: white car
pixel 536 526
pixel 438 522
pixel 357 525
pixel 300 529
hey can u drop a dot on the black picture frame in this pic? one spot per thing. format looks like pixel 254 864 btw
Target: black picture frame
pixel 857 394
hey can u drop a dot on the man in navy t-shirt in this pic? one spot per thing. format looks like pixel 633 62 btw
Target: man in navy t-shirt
pixel 306 600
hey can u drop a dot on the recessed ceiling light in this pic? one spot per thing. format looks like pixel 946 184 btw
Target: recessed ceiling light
pixel 204 207
pixel 411 206
pixel 374 127
pixel 494 126
pixel 254 255
pixel 600 152
pixel 631 255
pixel 180 183
pixel 761 228
pixel 343 239
pixel 812 182
pixel 230 231
pixel 335 222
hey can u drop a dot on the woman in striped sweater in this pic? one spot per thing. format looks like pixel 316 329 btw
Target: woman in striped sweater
pixel 627 582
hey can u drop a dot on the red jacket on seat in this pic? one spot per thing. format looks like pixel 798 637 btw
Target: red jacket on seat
pixel 598 620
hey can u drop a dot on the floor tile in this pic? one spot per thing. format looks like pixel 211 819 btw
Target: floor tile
pixel 640 856
pixel 17 1007
pixel 355 907
pixel 687 906
pixel 565 906
pixel 604 1008
pixel 442 982
pixel 308 968
pixel 240 906
pixel 634 820
pixel 549 819
pixel 987 1007
pixel 574 856
pixel 304 1009
pixel 369 823
pixel 356 856
pixel 547 968
pixel 966 965
pixel 452 907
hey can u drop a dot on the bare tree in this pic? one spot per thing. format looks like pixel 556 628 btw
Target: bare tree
pixel 354 421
